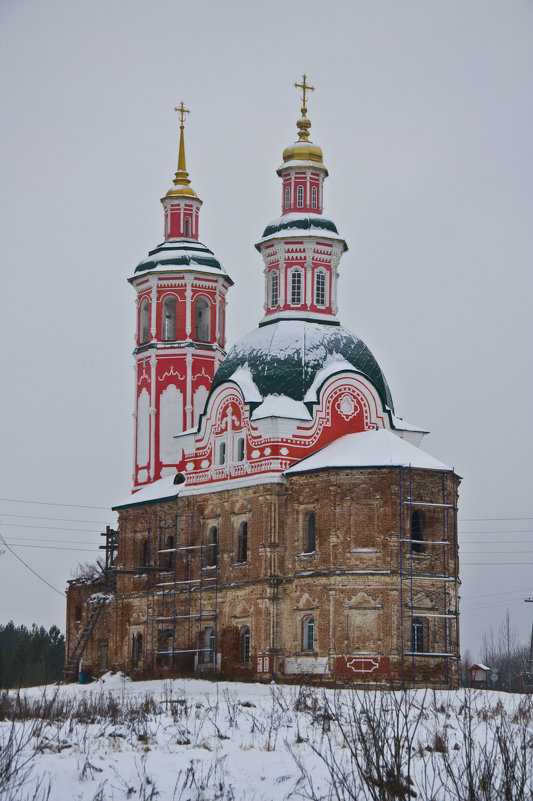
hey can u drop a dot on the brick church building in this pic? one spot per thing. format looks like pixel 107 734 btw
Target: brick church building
pixel 283 521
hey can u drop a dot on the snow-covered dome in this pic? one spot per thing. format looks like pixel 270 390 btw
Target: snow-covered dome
pixel 180 254
pixel 285 357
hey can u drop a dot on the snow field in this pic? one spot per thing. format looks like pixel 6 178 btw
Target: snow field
pixel 195 740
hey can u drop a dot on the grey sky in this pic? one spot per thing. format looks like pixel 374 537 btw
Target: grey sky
pixel 424 114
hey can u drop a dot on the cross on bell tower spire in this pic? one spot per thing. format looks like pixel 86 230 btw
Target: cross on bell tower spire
pixel 304 123
pixel 182 176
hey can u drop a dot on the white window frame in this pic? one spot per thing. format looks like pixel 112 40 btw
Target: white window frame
pixel 293 273
pixel 300 197
pixel 274 277
pixel 324 275
pixel 314 197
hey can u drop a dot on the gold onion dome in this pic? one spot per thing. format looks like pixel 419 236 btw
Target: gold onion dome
pixel 181 179
pixel 303 150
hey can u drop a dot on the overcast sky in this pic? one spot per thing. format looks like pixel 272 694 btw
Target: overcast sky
pixel 424 113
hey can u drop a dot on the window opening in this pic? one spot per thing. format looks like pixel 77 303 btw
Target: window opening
pixel 320 289
pixel 187 226
pixel 417 532
pixel 245 644
pixel 419 636
pixel 169 319
pixel 310 533
pixel 296 287
pixel 202 320
pixel 137 653
pixel 242 547
pixel 240 449
pixel 314 196
pixel 300 197
pixel 221 323
pixel 287 197
pixel 212 547
pixel 274 289
pixel 221 455
pixel 309 634
pixel 168 558
pixel 209 646
pixel 144 553
pixel 144 323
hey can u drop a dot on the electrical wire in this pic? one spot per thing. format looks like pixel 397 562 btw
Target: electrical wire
pixel 61 519
pixel 54 548
pixel 48 503
pixel 48 528
pixel 20 559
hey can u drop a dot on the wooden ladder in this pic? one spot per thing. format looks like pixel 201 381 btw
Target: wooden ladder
pixel 69 671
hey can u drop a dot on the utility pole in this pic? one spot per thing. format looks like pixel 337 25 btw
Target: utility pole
pixel 530 601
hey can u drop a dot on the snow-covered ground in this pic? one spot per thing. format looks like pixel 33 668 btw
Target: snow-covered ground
pixel 194 740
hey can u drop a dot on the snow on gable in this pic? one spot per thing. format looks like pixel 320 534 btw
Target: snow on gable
pixel 281 406
pixel 161 490
pixel 335 363
pixel 243 378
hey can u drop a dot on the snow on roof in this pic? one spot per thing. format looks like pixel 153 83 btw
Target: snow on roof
pixel 334 363
pixel 281 406
pixel 243 377
pixel 368 449
pixel 157 491
pixel 402 425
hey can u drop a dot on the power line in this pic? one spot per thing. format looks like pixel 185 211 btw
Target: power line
pixel 62 519
pixel 48 528
pixel 48 503
pixel 54 548
pixel 471 519
pixel 20 559
pixel 43 539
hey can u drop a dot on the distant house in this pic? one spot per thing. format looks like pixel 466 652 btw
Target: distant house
pixel 479 675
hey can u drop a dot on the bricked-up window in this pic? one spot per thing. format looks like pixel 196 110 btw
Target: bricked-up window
pixel 245 644
pixel 419 636
pixel 417 532
pixel 168 554
pixel 169 319
pixel 320 289
pixel 143 554
pixel 212 547
pixel 309 634
pixel 300 197
pixel 296 287
pixel 242 545
pixel 144 323
pixel 309 533
pixel 287 197
pixel 274 289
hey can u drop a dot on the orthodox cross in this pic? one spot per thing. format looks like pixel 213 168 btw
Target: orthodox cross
pixel 305 87
pixel 182 111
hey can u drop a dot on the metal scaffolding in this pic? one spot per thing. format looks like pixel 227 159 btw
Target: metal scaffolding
pixel 181 599
pixel 423 561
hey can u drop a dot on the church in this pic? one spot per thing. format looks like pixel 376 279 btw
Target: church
pixel 284 522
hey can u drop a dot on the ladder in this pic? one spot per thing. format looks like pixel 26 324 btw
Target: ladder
pixel 69 671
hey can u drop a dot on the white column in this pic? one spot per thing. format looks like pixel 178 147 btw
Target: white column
pixel 153 419
pixel 281 262
pixel 134 415
pixel 153 320
pixel 188 396
pixel 188 296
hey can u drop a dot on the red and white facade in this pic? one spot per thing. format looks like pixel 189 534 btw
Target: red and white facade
pixel 180 334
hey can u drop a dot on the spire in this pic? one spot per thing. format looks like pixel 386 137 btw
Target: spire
pixel 304 123
pixel 182 176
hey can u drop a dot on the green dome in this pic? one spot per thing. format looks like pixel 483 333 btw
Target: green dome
pixel 284 358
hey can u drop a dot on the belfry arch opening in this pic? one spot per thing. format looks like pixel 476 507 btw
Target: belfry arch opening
pixel 202 320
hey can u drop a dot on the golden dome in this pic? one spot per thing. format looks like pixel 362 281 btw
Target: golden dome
pixel 181 179
pixel 303 151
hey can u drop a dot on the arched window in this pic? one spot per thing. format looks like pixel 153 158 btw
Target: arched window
pixel 169 319
pixel 240 450
pixel 209 646
pixel 242 545
pixel 221 323
pixel 212 547
pixel 419 636
pixel 137 649
pixel 309 634
pixel 310 533
pixel 314 197
pixel 300 197
pixel 417 532
pixel 202 320
pixel 187 226
pixel 274 289
pixel 287 197
pixel 144 323
pixel 296 287
pixel 245 644
pixel 320 288
pixel 168 555
pixel 221 453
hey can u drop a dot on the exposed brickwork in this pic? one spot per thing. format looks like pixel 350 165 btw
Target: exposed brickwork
pixel 350 584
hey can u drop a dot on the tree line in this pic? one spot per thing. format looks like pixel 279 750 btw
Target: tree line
pixel 30 656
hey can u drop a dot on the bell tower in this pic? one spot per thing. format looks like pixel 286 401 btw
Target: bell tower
pixel 302 248
pixel 180 333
